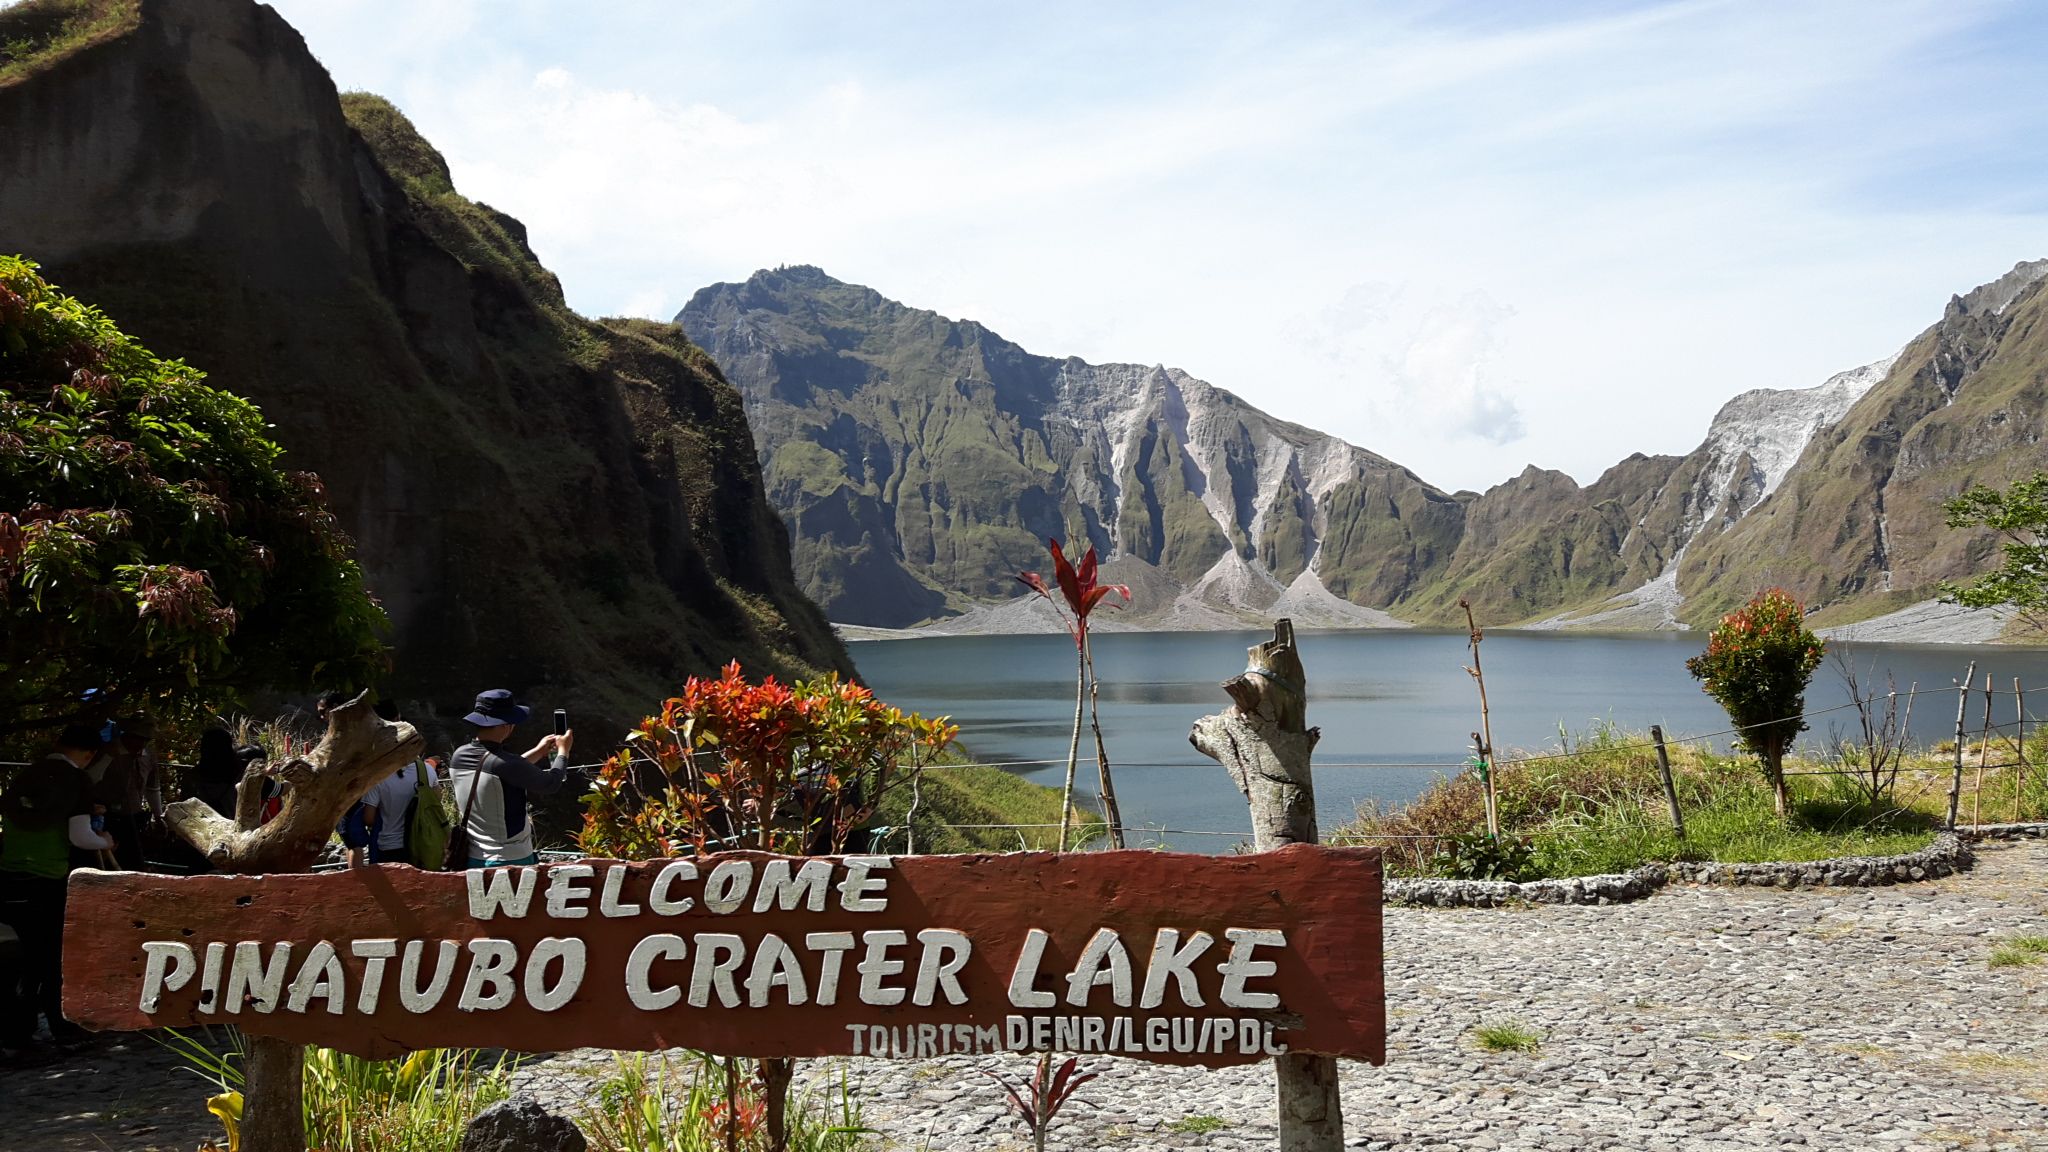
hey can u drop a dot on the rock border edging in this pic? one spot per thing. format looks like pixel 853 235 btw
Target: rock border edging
pixel 1946 854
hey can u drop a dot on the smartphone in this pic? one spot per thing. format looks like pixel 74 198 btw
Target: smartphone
pixel 561 721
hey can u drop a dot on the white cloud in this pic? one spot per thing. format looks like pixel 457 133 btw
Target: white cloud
pixel 1586 232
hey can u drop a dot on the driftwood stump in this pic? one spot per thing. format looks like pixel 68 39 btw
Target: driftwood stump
pixel 359 749
pixel 1265 744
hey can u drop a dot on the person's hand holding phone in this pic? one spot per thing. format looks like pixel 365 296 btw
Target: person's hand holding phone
pixel 564 738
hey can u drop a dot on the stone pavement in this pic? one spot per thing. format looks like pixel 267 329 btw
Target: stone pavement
pixel 1698 1019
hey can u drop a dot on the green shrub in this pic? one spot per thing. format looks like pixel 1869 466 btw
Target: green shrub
pixel 1757 663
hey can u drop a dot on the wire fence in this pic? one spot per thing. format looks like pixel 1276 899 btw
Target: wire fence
pixel 1983 732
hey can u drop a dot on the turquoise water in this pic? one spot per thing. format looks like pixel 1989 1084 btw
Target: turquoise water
pixel 1396 707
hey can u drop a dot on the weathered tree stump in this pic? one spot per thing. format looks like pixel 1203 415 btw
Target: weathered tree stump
pixel 359 749
pixel 1265 743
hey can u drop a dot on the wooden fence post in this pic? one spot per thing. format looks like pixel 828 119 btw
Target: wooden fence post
pixel 1265 743
pixel 1670 787
pixel 1983 758
pixel 1485 733
pixel 359 749
pixel 2019 737
pixel 1955 784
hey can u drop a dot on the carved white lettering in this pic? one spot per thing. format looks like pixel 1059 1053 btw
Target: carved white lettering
pixel 660 946
pixel 320 975
pixel 945 953
pixel 543 996
pixel 1158 1031
pixel 209 977
pixel 499 891
pixel 853 891
pixel 775 966
pixel 1024 977
pixel 1170 958
pixel 719 955
pixel 565 898
pixel 374 954
pixel 489 983
pixel 1103 961
pixel 726 889
pixel 834 946
pixel 808 887
pixel 658 896
pixel 875 964
pixel 610 904
pixel 411 996
pixel 261 982
pixel 1240 967
pixel 168 967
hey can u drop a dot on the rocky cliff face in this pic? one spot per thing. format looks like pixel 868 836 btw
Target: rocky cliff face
pixel 1856 526
pixel 542 502
pixel 921 461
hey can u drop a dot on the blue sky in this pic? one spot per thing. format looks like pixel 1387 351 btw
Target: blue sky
pixel 1468 236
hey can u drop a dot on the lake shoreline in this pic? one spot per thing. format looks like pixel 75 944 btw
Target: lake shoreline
pixel 1929 622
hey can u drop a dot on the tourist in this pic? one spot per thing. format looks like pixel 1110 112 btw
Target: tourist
pixel 45 814
pixel 492 784
pixel 132 787
pixel 220 769
pixel 388 803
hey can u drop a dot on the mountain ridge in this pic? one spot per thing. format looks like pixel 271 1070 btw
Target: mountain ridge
pixel 1221 512
pixel 542 501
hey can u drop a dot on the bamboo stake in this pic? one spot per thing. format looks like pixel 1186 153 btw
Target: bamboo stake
pixel 2019 737
pixel 1074 747
pixel 1955 786
pixel 1485 725
pixel 1983 757
pixel 1670 787
pixel 1110 812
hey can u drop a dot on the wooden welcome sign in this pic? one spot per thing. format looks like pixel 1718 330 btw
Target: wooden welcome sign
pixel 1161 956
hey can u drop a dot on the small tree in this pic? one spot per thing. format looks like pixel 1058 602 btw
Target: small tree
pixel 1080 593
pixel 154 555
pixel 731 764
pixel 2019 516
pixel 1872 756
pixel 1757 664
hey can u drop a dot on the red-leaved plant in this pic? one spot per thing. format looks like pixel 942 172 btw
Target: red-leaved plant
pixel 1036 1103
pixel 733 764
pixel 1079 595
pixel 1757 662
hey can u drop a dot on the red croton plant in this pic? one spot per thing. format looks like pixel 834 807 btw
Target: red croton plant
pixel 1080 593
pixel 732 764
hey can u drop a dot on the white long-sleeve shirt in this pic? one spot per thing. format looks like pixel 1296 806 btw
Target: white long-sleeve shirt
pixel 85 839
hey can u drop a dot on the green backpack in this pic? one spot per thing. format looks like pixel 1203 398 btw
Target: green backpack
pixel 426 823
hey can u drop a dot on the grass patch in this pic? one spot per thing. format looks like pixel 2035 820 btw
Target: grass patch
pixel 663 1104
pixel 1198 1125
pixel 37 33
pixel 1506 1036
pixel 950 797
pixel 420 1103
pixel 1599 807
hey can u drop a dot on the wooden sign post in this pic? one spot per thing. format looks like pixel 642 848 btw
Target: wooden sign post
pixel 1160 956
pixel 1265 743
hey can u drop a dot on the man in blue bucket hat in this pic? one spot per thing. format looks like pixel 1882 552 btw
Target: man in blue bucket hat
pixel 492 784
